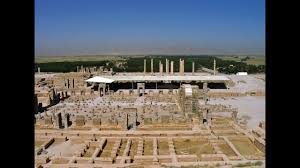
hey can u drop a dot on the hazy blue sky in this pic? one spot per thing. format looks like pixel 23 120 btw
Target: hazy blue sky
pixel 76 27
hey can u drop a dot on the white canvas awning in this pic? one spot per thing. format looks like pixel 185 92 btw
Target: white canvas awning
pixel 98 79
pixel 148 78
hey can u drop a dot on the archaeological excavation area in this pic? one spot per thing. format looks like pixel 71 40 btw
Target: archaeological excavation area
pixel 96 118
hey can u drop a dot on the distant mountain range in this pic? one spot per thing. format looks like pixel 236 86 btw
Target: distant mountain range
pixel 160 51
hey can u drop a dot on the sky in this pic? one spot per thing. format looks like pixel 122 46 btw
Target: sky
pixel 90 27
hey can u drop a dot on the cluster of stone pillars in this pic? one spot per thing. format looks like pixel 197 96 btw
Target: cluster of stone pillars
pixel 60 121
pixel 67 83
pixel 89 69
pixel 169 68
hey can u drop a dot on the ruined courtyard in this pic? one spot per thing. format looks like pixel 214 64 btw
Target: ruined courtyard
pixel 98 118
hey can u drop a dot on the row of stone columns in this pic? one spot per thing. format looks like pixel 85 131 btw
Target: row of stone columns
pixel 89 69
pixel 67 83
pixel 170 68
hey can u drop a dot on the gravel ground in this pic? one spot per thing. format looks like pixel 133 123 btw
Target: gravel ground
pixel 63 149
pixel 251 106
pixel 248 83
pixel 45 75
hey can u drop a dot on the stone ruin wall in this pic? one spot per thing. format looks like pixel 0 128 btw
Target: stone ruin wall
pixel 60 80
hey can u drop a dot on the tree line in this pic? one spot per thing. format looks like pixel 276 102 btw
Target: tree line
pixel 136 64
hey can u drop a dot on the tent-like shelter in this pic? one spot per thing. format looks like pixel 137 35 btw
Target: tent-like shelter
pixel 98 79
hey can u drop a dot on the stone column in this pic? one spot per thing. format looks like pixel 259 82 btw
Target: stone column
pixel 160 68
pixel 152 66
pixel 172 67
pixel 182 67
pixel 214 66
pixel 167 66
pixel 99 90
pixel 125 122
pixel 134 120
pixel 193 68
pixel 108 89
pixel 39 70
pixel 58 120
pixel 66 120
pixel 145 66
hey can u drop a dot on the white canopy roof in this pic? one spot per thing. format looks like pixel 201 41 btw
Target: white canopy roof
pixel 168 78
pixel 98 79
pixel 115 78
